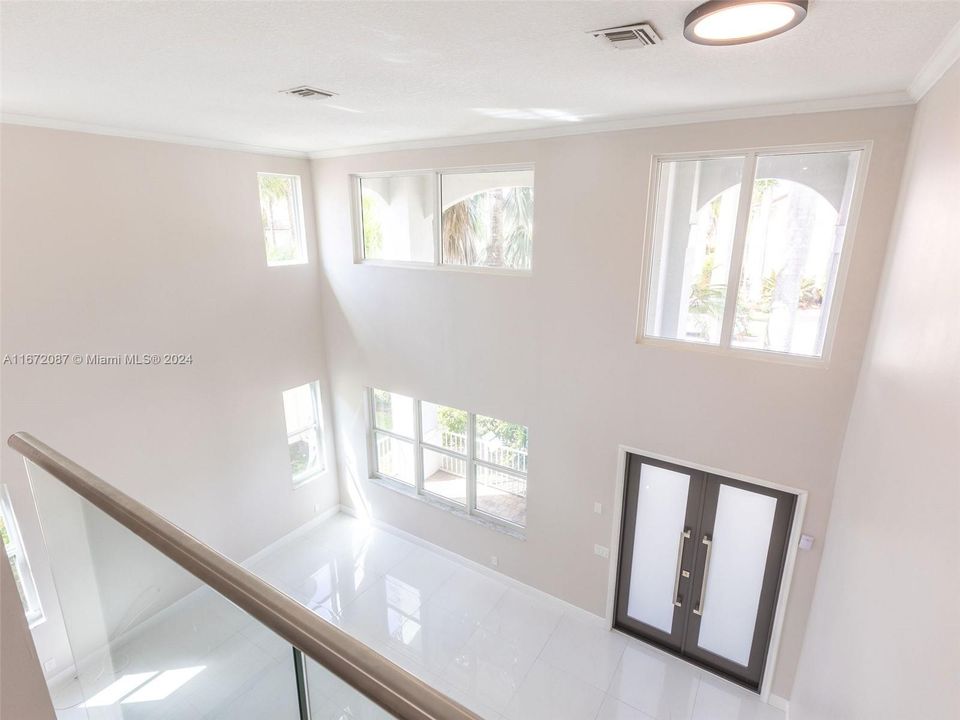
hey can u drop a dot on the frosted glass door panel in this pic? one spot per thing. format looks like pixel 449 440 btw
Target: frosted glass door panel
pixel 738 560
pixel 661 511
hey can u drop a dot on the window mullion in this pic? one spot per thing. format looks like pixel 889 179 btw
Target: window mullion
pixel 418 444
pixel 471 464
pixel 501 468
pixel 372 460
pixel 301 430
pixel 395 436
pixel 736 253
pixel 438 222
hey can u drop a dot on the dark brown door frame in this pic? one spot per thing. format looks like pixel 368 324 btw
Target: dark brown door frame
pixel 778 555
pixel 752 675
pixel 673 640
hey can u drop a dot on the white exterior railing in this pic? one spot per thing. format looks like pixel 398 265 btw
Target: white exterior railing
pixel 511 484
pixel 511 459
pixel 494 453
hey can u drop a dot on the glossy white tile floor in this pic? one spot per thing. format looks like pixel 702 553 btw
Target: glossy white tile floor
pixel 505 653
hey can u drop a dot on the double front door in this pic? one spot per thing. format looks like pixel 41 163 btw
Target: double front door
pixel 701 559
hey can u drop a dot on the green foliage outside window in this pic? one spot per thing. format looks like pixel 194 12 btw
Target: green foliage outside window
pixel 492 228
pixel 510 434
pixel 299 456
pixel 383 409
pixel 453 421
pixel 371 208
pixel 275 190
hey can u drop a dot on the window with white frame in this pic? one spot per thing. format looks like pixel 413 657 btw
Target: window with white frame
pixel 746 251
pixel 17 555
pixel 471 462
pixel 452 218
pixel 304 420
pixel 281 212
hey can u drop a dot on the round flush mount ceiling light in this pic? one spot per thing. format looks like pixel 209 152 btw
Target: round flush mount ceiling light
pixel 732 22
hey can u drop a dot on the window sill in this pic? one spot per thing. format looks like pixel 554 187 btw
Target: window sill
pixel 36 622
pixel 770 356
pixel 419 265
pixel 503 528
pixel 306 479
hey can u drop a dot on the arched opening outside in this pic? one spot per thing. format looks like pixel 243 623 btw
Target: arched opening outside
pixel 786 270
pixel 492 227
pixel 783 249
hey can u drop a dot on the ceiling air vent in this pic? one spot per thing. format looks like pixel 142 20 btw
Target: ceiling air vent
pixel 305 91
pixel 629 37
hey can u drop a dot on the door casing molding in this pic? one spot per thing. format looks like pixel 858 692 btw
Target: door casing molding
pixel 788 564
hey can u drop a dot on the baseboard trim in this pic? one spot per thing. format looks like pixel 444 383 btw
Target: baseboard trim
pixel 780 703
pixel 292 535
pixel 483 569
pixel 774 700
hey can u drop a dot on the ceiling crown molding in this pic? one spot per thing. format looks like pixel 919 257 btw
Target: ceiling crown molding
pixel 942 60
pixel 69 125
pixel 859 102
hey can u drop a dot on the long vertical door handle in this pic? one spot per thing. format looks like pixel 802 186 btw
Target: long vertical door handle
pixel 698 610
pixel 684 536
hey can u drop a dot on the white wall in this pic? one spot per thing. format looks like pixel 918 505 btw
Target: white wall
pixel 883 641
pixel 23 694
pixel 118 245
pixel 556 350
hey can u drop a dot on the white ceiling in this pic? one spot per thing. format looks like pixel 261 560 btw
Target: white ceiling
pixel 415 70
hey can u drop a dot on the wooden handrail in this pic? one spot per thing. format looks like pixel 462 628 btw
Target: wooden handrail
pixel 390 686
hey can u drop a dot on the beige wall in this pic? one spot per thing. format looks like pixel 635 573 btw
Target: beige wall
pixel 883 640
pixel 118 245
pixel 23 694
pixel 556 350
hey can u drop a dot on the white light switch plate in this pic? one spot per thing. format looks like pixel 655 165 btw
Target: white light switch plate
pixel 598 508
pixel 601 551
pixel 806 542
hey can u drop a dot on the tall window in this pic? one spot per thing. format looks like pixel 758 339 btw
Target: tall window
pixel 304 418
pixel 394 436
pixel 17 555
pixel 752 266
pixel 281 212
pixel 485 218
pixel 471 462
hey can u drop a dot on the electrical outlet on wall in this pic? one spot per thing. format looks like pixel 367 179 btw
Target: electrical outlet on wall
pixel 494 561
pixel 602 551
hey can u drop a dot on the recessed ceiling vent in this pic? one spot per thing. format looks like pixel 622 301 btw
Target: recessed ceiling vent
pixel 629 37
pixel 305 91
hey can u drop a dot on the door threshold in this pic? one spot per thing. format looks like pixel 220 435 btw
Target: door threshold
pixel 719 674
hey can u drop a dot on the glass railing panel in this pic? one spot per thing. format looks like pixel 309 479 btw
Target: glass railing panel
pixel 152 641
pixel 329 698
pixel 148 639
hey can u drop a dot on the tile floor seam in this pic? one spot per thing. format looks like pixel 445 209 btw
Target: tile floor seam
pixel 536 659
pixel 494 624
